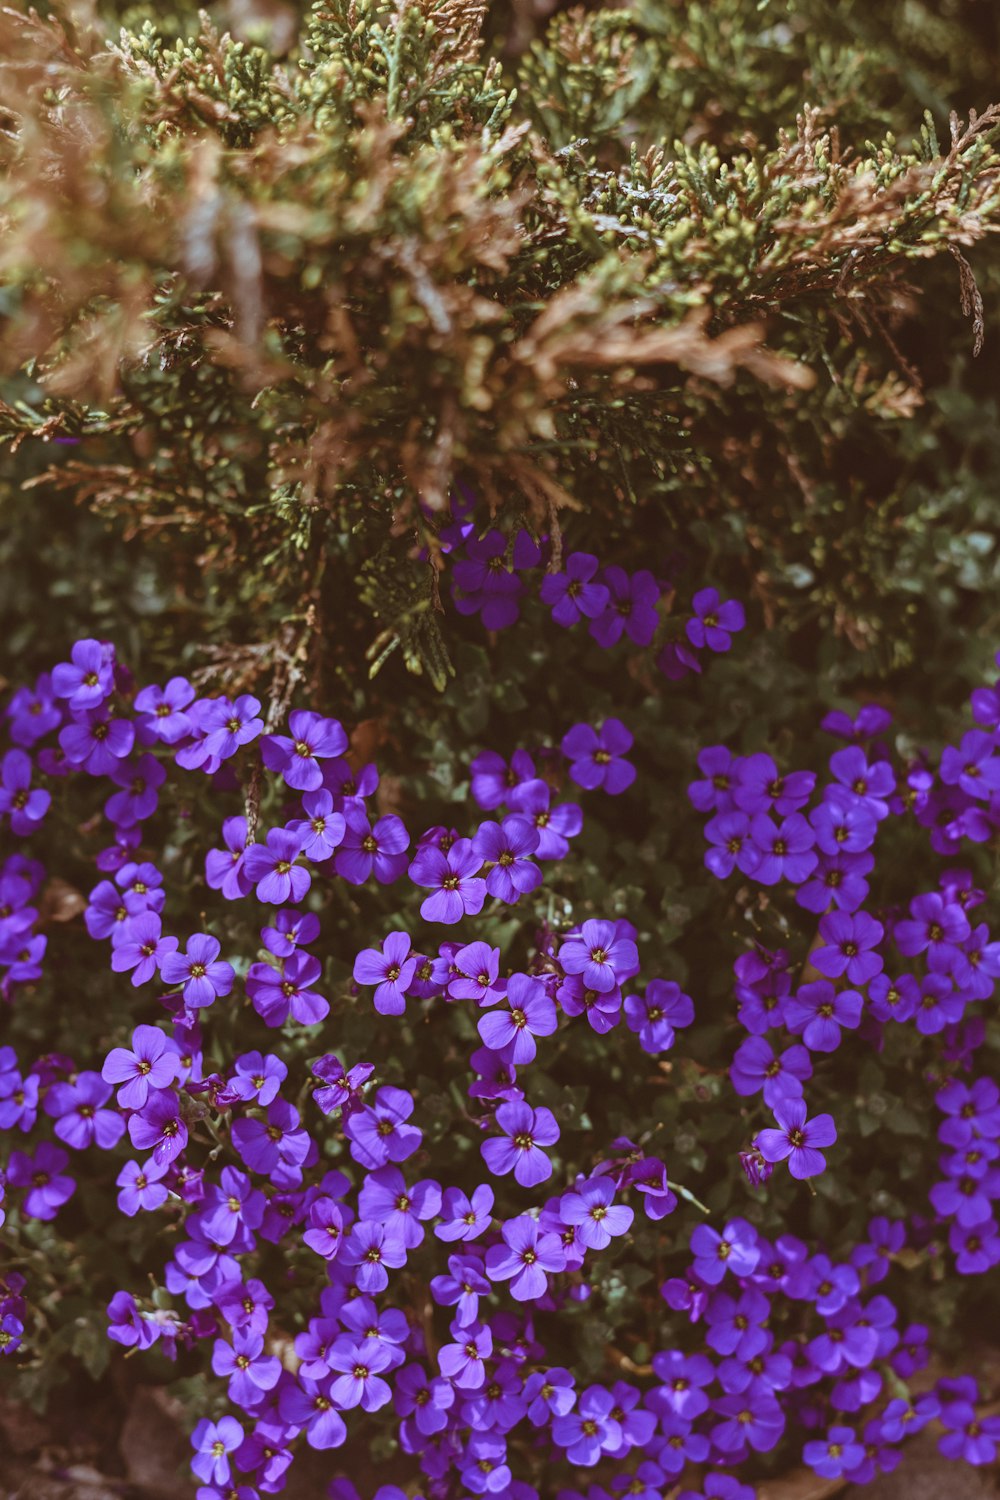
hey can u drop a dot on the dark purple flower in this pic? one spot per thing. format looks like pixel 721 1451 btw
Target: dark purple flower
pixel 836 1455
pixel 519 1149
pixel 379 1133
pixel 572 593
pixel 715 622
pixel 453 878
pixel 360 1383
pixel 44 1177
pixel 493 780
pixel 278 1148
pixel 972 767
pixel 631 608
pixel 390 1201
pixel 796 1140
pixel 27 808
pixel 204 977
pixel 474 974
pixel 369 1248
pixel 871 784
pixel 555 826
pixel 463 1362
pixel 138 798
pixel 596 756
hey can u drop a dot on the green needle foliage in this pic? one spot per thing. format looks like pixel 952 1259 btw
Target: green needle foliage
pixel 665 269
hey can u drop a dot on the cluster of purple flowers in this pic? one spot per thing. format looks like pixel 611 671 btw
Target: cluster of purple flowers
pixel 234 1154
pixel 487 576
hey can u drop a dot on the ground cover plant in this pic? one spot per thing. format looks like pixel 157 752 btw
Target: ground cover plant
pixel 500 759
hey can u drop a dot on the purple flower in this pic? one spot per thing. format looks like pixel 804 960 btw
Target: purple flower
pixel 631 608
pixel 142 949
pixel 759 788
pixel 600 955
pixel 970 1437
pixel 664 1007
pixel 590 1206
pixel 519 1149
pixel 391 970
pixel 162 709
pixel 227 726
pixel 596 756
pixel 972 767
pixel 589 1430
pixel 271 867
pixel 279 1144
pixel 464 1217
pixel 555 826
pixel 786 850
pixel 493 780
pixel 463 1363
pixel 150 1064
pixel 386 1198
pixel 838 878
pixel 426 1401
pixel 128 1326
pixel 735 1249
pixel 531 1013
pixel 525 1258
pixel 141 1187
pixel 297 757
pixel 757 1066
pixel 138 798
pixel 817 1012
pixel 474 974
pixel 213 1442
pixel 836 1455
pixel 369 1248
pixel 43 1175
pixel 292 929
pixel 96 742
pixel 938 926
pixel 159 1127
pixel 249 1370
pixel 225 868
pixel 461 1288
pixel 88 677
pixel 276 996
pixel 453 879
pixel 757 1421
pixel 796 1140
pixel 80 1120
pixel 843 825
pixel 365 849
pixel 732 845
pixel 848 944
pixel 508 846
pixel 204 976
pixel 27 808
pixel 572 594
pixel 326 1225
pixel 359 1384
pixel 871 784
pixel 379 1133
pixel 11 1333
pixel 714 622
